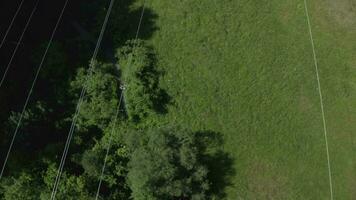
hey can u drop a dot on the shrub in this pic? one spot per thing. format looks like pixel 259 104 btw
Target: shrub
pixel 136 63
pixel 102 95
pixel 166 165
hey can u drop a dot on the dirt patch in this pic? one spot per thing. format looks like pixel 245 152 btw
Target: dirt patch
pixel 343 12
pixel 263 183
pixel 305 105
pixel 352 188
pixel 285 14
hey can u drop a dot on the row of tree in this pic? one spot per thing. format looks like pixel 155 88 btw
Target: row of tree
pixel 145 162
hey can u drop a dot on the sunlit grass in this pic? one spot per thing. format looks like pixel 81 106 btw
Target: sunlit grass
pixel 245 69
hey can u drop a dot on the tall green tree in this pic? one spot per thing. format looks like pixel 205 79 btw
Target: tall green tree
pixel 139 77
pixel 24 187
pixel 71 187
pixel 102 94
pixel 114 178
pixel 166 165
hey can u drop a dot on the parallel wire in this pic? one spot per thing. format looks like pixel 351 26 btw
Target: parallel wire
pixel 117 112
pixel 18 44
pixel 12 22
pixel 80 101
pixel 321 99
pixel 17 127
pixel 32 86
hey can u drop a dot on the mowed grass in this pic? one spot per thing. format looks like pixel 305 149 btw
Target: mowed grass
pixel 244 69
pixel 335 39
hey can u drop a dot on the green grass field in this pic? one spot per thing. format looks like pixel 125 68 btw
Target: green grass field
pixel 245 69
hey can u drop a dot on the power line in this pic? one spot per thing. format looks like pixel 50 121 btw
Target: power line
pixel 117 111
pixel 80 101
pixel 18 44
pixel 32 86
pixel 109 146
pixel 2 80
pixel 11 23
pixel 321 99
pixel 141 17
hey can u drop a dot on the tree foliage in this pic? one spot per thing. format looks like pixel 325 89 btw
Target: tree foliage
pixel 166 165
pixel 157 164
pixel 139 78
pixel 114 177
pixel 102 94
pixel 71 187
pixel 24 187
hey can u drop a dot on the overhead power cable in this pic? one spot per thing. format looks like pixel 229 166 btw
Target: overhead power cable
pixel 321 99
pixel 18 44
pixel 117 111
pixel 32 87
pixel 11 23
pixel 80 101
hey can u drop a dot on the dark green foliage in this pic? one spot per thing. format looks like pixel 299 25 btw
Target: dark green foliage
pixel 25 187
pixel 102 95
pixel 138 74
pixel 91 162
pixel 114 179
pixel 71 187
pixel 166 165
pixel 160 164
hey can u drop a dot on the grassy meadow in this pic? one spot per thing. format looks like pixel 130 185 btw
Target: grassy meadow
pixel 244 69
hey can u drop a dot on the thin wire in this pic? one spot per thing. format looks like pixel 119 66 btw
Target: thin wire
pixel 321 99
pixel 18 44
pixel 141 17
pixel 13 138
pixel 12 22
pixel 32 86
pixel 80 101
pixel 117 111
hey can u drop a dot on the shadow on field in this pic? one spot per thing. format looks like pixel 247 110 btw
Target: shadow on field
pixel 75 39
pixel 219 163
pixel 124 22
pixel 161 99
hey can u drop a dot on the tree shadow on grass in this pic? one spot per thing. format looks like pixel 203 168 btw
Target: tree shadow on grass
pixel 124 23
pixel 161 99
pixel 218 162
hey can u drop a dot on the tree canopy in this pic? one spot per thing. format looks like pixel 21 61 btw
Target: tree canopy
pixel 166 165
pixel 139 79
pixel 144 161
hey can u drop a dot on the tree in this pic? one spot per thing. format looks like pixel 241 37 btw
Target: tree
pixel 166 165
pixel 102 95
pixel 24 187
pixel 71 187
pixel 114 185
pixel 141 79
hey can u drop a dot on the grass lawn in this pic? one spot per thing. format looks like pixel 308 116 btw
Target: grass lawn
pixel 245 69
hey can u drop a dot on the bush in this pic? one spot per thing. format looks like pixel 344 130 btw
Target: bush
pixel 114 184
pixel 138 74
pixel 166 165
pixel 24 187
pixel 102 95
pixel 71 187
